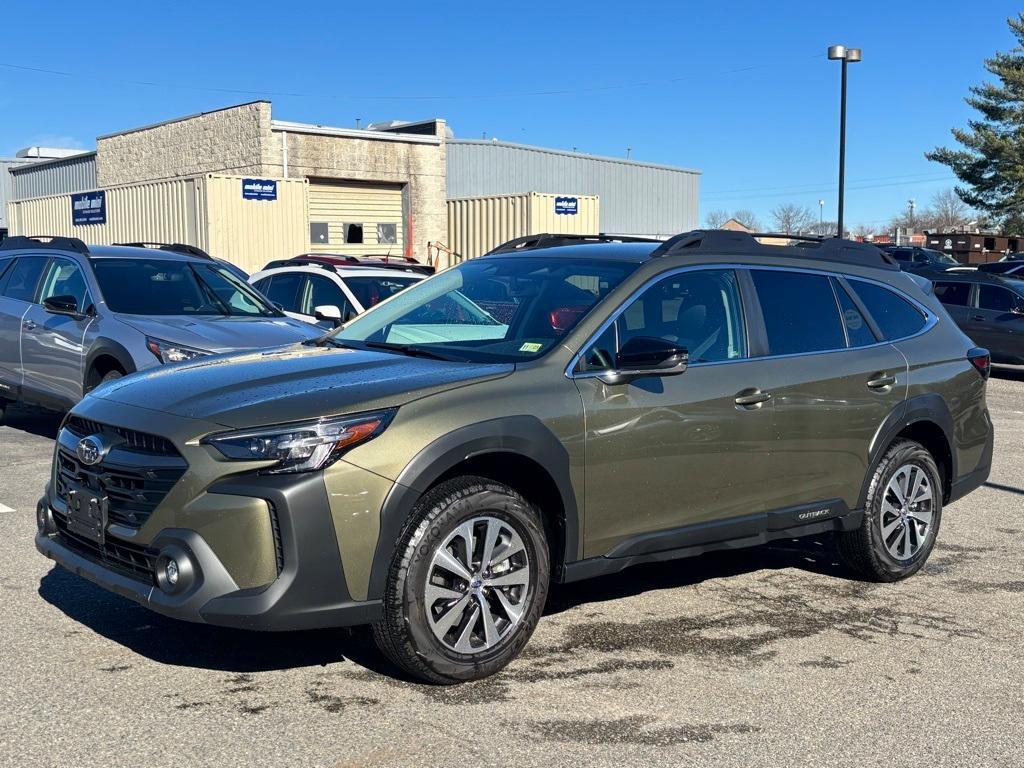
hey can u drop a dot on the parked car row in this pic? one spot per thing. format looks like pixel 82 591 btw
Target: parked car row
pixel 551 412
pixel 74 316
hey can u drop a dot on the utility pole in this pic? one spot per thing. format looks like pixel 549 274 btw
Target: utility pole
pixel 821 217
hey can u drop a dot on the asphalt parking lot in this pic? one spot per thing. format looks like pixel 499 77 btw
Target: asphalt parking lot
pixel 766 657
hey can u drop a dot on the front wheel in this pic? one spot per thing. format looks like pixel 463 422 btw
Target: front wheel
pixel 467 584
pixel 901 516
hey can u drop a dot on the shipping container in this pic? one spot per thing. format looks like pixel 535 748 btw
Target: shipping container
pixel 207 211
pixel 478 224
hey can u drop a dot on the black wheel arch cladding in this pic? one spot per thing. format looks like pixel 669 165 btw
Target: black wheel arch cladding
pixel 526 436
pixel 927 408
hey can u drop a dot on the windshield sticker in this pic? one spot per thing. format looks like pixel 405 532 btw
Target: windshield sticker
pixel 531 346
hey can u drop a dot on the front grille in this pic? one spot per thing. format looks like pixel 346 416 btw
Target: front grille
pixel 139 442
pixel 135 475
pixel 129 559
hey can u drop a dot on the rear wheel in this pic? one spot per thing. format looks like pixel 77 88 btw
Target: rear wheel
pixel 468 582
pixel 901 516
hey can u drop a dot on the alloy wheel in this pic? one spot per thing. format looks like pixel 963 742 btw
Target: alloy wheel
pixel 907 511
pixel 477 585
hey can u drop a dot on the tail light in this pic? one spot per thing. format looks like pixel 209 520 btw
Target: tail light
pixel 981 360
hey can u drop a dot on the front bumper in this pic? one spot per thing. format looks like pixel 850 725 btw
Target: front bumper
pixel 309 592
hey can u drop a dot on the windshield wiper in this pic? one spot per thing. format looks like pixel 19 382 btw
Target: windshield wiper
pixel 411 350
pixel 327 340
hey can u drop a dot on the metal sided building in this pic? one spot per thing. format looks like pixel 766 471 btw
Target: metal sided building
pixel 246 187
pixel 635 198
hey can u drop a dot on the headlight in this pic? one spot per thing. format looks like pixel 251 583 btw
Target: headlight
pixel 301 446
pixel 169 352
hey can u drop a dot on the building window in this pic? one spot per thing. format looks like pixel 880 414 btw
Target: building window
pixel 387 233
pixel 318 233
pixel 353 233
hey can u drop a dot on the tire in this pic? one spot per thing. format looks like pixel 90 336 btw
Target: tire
pixel 111 375
pixel 891 543
pixel 412 632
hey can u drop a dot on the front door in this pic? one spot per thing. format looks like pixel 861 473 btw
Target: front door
pixel 673 452
pixel 52 345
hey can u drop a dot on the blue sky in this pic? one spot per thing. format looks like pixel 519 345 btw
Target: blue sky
pixel 740 90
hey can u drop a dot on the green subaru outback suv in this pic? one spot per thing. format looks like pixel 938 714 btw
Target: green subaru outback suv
pixel 559 409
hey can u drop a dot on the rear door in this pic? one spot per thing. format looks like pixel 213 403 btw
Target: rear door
pixel 955 296
pixel 833 381
pixel 17 292
pixel 53 346
pixel 998 322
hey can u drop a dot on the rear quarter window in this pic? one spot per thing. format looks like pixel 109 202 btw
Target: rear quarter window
pixel 895 316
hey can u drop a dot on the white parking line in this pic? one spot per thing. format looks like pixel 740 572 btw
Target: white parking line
pixel 5 509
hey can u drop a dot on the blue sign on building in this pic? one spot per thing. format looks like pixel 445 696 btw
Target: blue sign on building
pixel 89 208
pixel 567 205
pixel 259 189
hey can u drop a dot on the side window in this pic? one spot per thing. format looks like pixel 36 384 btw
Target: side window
pixel 699 310
pixel 21 279
pixel 895 316
pixel 283 289
pixel 858 332
pixel 996 299
pixel 956 294
pixel 65 278
pixel 800 312
pixel 323 290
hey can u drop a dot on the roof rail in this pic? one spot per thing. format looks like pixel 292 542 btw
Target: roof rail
pixel 549 240
pixel 798 246
pixel 189 250
pixel 49 242
pixel 299 262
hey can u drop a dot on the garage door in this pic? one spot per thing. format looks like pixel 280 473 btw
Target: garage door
pixel 356 218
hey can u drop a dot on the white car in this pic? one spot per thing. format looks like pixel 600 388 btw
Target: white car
pixel 326 295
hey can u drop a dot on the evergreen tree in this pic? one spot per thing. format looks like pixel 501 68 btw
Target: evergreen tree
pixel 991 163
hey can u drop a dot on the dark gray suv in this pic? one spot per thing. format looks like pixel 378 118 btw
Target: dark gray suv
pixel 73 316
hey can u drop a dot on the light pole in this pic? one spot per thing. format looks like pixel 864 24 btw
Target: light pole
pixel 821 217
pixel 846 56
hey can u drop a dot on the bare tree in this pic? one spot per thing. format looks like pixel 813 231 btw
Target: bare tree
pixel 863 230
pixel 715 219
pixel 748 219
pixel 948 211
pixel 791 219
pixel 823 228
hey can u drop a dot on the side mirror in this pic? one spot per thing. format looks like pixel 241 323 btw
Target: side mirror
pixel 62 305
pixel 1017 309
pixel 328 312
pixel 647 356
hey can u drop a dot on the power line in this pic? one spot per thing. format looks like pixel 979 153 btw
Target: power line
pixel 418 97
pixel 831 188
pixel 818 184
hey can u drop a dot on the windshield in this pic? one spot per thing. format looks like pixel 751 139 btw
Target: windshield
pixel 942 258
pixel 370 291
pixel 166 287
pixel 491 310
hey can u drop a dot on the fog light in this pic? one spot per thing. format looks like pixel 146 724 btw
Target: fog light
pixel 171 572
pixel 175 570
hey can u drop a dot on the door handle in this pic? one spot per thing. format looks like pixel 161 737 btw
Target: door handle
pixel 882 382
pixel 978 317
pixel 752 398
pixel 28 325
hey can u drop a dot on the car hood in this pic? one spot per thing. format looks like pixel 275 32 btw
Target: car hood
pixel 291 384
pixel 223 334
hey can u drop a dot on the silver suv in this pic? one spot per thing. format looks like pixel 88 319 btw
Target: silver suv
pixel 73 316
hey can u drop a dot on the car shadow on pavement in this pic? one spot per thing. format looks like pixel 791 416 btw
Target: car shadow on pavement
pixel 181 643
pixel 36 421
pixel 815 554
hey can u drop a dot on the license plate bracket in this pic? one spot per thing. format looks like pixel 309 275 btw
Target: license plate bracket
pixel 87 512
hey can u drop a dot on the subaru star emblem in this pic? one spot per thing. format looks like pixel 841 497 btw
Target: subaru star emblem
pixel 89 450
